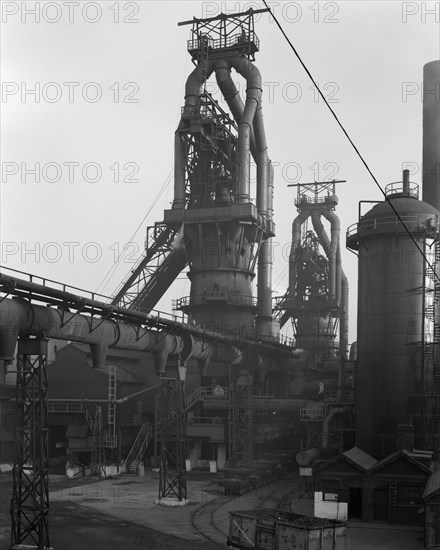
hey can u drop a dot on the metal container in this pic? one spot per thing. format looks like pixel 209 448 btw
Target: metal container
pixel 392 313
pixel 266 529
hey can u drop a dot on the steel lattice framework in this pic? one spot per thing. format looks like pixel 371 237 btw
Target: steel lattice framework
pixel 30 496
pixel 241 442
pixel 172 475
pixel 157 269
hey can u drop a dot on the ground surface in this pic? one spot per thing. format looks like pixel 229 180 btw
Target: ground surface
pixel 119 513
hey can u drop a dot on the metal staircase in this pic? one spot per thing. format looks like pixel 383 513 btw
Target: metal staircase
pixel 138 449
pixel 151 278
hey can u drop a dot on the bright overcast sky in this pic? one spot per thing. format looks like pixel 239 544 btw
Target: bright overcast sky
pixel 109 80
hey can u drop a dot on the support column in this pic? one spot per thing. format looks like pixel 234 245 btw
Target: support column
pixel 30 491
pixel 172 474
pixel 241 422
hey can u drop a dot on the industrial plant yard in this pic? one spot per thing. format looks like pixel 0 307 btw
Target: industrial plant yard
pixel 257 366
pixel 113 513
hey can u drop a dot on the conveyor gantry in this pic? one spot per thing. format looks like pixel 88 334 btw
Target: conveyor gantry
pixel 154 274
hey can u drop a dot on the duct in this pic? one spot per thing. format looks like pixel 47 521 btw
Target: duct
pixel 305 458
pixel 180 153
pixel 431 134
pixel 193 90
pixel 252 75
pixel 19 317
pixel 118 401
pixel 341 281
pixel 296 241
pixel 326 425
pixel 334 266
pixel 270 179
pixel 265 281
pixel 262 161
pixel 194 85
pixel 258 147
pixel 245 127
pixel 343 322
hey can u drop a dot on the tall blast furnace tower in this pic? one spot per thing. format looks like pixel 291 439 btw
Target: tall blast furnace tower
pixel 223 232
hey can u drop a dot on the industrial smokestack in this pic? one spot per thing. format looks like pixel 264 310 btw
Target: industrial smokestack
pixel 431 134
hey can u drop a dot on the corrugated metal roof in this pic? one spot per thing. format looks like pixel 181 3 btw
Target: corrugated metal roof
pixel 360 458
pixel 401 454
pixel 433 484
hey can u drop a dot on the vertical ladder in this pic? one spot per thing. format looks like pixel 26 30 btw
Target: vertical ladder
pixel 392 501
pixel 111 440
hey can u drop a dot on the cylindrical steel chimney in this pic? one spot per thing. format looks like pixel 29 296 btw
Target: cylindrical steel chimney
pixel 431 134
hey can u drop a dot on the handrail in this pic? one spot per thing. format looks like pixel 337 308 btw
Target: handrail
pixel 143 433
pixel 236 39
pixel 232 299
pixel 369 224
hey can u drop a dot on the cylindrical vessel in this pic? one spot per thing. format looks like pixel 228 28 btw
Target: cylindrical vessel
pixel 431 133
pixel 389 370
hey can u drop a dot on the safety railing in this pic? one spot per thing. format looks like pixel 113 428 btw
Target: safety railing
pixel 387 223
pixel 215 296
pixel 311 415
pixel 304 199
pixel 397 188
pixel 244 38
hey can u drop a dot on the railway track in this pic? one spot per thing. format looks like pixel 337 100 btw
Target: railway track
pixel 274 496
pixel 202 521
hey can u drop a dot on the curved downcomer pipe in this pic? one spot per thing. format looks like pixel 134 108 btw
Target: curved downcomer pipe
pixel 258 148
pixel 296 241
pixel 334 255
pixel 20 318
pixel 193 90
pixel 246 125
pixel 326 425
pixel 305 458
pixel 344 292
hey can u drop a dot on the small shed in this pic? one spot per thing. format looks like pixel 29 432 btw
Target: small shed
pixel 431 497
pixel 340 484
pixel 395 488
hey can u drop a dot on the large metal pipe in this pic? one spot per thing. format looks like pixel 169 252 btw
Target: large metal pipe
pixel 258 147
pixel 20 318
pixel 180 152
pixel 296 241
pixel 343 322
pixel 252 75
pixel 431 133
pixel 232 97
pixel 253 98
pixel 193 90
pixel 326 425
pixel 342 282
pixel 334 265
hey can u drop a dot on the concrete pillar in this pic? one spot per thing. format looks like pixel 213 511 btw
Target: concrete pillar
pixel 195 453
pixel 221 455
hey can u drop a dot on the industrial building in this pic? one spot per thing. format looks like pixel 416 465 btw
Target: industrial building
pixel 215 384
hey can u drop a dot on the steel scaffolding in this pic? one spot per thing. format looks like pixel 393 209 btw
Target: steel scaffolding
pixel 172 474
pixel 30 491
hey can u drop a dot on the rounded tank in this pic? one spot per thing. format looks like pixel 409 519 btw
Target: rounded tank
pixel 389 369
